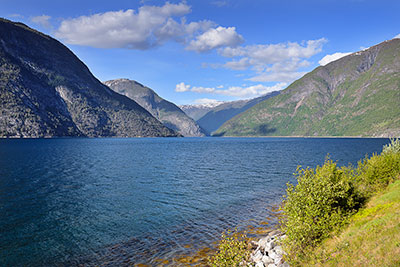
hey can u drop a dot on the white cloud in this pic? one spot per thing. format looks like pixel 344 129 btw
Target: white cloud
pixel 277 76
pixel 203 90
pixel 238 91
pixel 274 53
pixel 42 20
pixel 329 58
pixel 273 62
pixel 241 64
pixel 182 87
pixel 216 38
pixel 146 28
pixel 251 91
pixel 397 36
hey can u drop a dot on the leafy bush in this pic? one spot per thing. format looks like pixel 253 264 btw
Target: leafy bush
pixel 393 147
pixel 375 173
pixel 326 196
pixel 319 203
pixel 232 250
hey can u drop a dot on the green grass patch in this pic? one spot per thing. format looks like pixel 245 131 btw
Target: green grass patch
pixel 328 199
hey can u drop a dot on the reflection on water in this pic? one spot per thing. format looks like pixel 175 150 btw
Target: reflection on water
pixel 108 201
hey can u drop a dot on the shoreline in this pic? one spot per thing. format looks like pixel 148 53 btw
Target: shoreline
pixel 267 251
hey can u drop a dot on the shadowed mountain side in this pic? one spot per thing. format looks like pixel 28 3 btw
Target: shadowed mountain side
pixel 196 111
pixel 166 112
pixel 218 115
pixel 357 95
pixel 46 91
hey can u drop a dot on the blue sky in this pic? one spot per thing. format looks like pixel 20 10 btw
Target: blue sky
pixel 201 51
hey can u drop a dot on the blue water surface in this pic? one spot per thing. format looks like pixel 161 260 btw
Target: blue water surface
pixel 115 201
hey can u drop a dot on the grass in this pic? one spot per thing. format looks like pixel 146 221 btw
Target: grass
pixel 372 237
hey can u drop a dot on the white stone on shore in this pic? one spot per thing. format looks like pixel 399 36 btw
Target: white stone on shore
pixel 263 242
pixel 267 260
pixel 278 259
pixel 268 252
pixel 270 245
pixel 257 256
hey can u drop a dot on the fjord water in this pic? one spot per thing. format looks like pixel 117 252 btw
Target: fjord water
pixel 123 201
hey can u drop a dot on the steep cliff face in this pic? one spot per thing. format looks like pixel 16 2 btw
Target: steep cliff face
pixel 46 91
pixel 357 95
pixel 166 112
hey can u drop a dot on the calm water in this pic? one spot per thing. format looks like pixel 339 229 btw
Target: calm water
pixel 120 201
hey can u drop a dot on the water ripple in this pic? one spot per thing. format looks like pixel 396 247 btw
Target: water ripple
pixel 107 202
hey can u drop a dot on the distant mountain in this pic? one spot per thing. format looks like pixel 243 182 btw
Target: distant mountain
pixel 46 91
pixel 166 112
pixel 218 115
pixel 197 111
pixel 357 95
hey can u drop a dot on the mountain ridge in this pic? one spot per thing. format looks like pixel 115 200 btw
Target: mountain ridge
pixel 46 91
pixel 166 112
pixel 357 95
pixel 219 114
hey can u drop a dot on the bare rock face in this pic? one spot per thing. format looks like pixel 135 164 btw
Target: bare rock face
pixel 46 91
pixel 166 112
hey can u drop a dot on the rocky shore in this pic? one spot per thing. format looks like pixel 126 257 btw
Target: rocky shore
pixel 267 251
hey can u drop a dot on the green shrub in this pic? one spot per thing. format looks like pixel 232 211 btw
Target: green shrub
pixel 326 196
pixel 232 250
pixel 393 147
pixel 319 204
pixel 376 172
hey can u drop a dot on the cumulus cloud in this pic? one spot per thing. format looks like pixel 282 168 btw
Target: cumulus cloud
pixel 42 20
pixel 238 91
pixel 146 28
pixel 182 87
pixel 273 62
pixel 397 36
pixel 216 38
pixel 273 53
pixel 278 76
pixel 241 64
pixel 329 58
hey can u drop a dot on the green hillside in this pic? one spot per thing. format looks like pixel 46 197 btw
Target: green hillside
pixel 357 95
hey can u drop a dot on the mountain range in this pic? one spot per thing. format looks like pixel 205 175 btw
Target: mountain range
pixel 196 111
pixel 219 114
pixel 357 95
pixel 46 91
pixel 166 112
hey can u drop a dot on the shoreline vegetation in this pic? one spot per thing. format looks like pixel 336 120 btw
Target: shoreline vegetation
pixel 334 216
